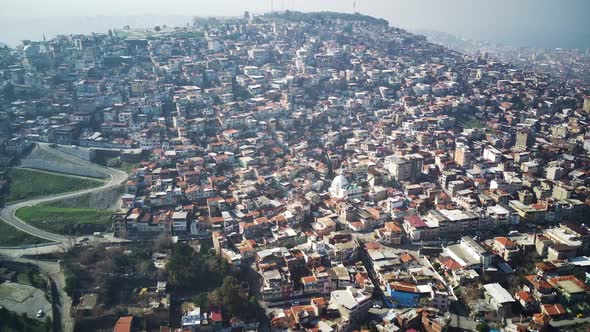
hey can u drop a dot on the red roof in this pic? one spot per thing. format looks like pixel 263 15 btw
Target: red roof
pixel 405 257
pixel 123 324
pixel 524 296
pixel 539 283
pixel 403 287
pixel 553 309
pixel 505 242
pixel 372 245
pixel 216 316
pixel 392 227
pixel 450 264
pixel 416 221
pixel 555 281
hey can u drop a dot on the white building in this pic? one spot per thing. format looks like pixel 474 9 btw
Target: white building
pixel 341 189
pixel 469 253
pixel 179 221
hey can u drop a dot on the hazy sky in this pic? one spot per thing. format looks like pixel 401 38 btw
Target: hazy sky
pixel 546 23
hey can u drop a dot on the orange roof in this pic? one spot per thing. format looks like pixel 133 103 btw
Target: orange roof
pixel 556 280
pixel 123 324
pixel 553 309
pixel 357 224
pixel 404 287
pixel 308 279
pixel 545 266
pixel 541 319
pixel 372 245
pixel 359 278
pixel 244 249
pixel 393 227
pixel 525 296
pixel 405 257
pixel 261 220
pixel 538 282
pixel 505 242
pixel 450 264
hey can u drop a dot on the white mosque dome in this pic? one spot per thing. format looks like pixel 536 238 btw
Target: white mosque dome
pixel 339 181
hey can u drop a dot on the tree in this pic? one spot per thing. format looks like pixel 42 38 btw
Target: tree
pixel 216 298
pixel 481 327
pixel 233 300
pixel 70 285
pixel 157 28
pixel 114 163
pixel 194 272
pixel 232 297
pixel 163 242
pixel 144 267
pixel 179 265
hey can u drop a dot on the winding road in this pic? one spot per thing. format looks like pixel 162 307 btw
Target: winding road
pixel 7 214
pixel 62 302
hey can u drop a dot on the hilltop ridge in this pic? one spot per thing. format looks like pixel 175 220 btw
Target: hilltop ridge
pixel 324 15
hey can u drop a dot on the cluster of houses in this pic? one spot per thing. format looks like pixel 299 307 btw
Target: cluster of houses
pixel 345 160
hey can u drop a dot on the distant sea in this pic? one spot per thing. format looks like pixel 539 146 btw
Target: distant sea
pixel 13 30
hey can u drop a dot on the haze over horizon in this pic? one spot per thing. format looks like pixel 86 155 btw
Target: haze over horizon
pixel 534 23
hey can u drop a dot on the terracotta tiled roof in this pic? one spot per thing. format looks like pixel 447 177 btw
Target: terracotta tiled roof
pixel 505 242
pixel 123 324
pixel 553 309
pixel 538 282
pixel 524 296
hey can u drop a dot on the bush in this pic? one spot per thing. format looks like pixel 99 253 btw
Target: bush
pixel 232 300
pixel 115 163
pixel 70 286
pixel 195 272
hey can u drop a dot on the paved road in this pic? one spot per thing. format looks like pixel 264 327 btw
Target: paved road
pixel 7 214
pixel 55 247
pixel 63 302
pixel 569 322
pixel 32 300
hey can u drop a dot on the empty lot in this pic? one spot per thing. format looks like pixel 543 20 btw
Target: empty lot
pixel 22 298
